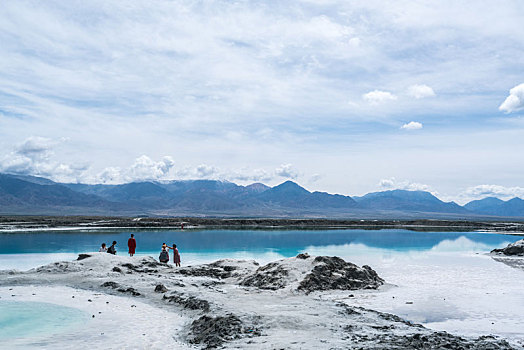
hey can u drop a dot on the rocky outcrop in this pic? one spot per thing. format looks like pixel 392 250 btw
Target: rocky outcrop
pixel 221 269
pixel 160 288
pixel 335 273
pixel 513 249
pixel 437 340
pixel 121 289
pixel 212 332
pixel 309 274
pixel 191 302
pixel 271 276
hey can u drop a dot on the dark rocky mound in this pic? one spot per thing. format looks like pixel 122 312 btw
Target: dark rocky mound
pixel 191 302
pixel 335 273
pixel 313 274
pixel 144 267
pixel 438 340
pixel 219 270
pixel 160 288
pixel 212 332
pixel 515 249
pixel 83 256
pixel 271 276
pixel 121 289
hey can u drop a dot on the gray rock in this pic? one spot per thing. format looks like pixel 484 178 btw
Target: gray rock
pixel 515 249
pixel 110 284
pixel 271 276
pixel 160 288
pixel 335 273
pixel 212 332
pixel 121 289
pixel 83 256
pixel 438 340
pixel 213 270
pixel 326 273
pixel 191 302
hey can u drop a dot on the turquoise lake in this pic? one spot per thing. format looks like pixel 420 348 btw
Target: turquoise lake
pixel 29 249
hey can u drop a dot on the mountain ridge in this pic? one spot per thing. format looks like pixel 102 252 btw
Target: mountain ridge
pixel 21 194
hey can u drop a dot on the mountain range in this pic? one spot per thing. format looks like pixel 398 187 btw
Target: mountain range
pixel 30 195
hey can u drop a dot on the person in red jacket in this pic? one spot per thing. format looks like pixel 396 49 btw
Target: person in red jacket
pixel 131 243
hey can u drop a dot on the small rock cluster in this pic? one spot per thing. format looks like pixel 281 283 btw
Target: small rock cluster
pixel 513 249
pixel 212 332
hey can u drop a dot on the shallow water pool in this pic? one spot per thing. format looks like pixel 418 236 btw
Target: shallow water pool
pixel 27 319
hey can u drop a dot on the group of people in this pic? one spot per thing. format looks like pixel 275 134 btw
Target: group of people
pixel 164 254
pixel 131 244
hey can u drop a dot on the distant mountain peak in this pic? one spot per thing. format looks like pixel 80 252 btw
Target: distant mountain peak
pixel 257 187
pixel 289 187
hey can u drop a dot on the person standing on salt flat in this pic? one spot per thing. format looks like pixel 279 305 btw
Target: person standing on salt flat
pixel 131 244
pixel 176 255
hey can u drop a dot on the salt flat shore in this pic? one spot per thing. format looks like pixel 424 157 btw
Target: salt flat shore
pixel 42 223
pixel 294 303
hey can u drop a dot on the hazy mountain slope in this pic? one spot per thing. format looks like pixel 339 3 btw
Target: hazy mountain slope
pixel 485 205
pixel 407 201
pixel 28 196
pixel 33 195
pixel 495 206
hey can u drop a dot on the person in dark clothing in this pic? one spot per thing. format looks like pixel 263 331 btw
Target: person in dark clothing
pixel 164 255
pixel 112 248
pixel 131 244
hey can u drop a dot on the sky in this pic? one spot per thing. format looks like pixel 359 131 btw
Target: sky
pixel 346 97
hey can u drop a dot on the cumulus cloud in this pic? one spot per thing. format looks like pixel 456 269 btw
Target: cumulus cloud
pixel 392 183
pixel 205 171
pixel 483 191
pixel 250 175
pixel 286 170
pixel 242 175
pixel 420 91
pixel 377 97
pixel 412 126
pixel 515 101
pixel 35 156
pixel 142 169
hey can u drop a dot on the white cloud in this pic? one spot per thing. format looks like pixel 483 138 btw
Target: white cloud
pixel 206 171
pixel 377 97
pixel 412 126
pixel 142 169
pixel 515 101
pixel 35 156
pixel 483 191
pixel 242 176
pixel 287 171
pixel 420 91
pixel 392 183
